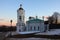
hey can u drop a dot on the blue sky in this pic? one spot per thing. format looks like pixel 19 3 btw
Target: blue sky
pixel 8 8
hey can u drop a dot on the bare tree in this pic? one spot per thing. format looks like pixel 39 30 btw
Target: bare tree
pixel 55 16
pixel 50 19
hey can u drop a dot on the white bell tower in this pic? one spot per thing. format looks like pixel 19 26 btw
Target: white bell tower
pixel 20 19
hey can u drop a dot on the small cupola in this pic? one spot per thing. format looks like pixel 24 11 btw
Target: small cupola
pixel 21 7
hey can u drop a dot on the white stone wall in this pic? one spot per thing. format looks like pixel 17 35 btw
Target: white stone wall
pixel 38 27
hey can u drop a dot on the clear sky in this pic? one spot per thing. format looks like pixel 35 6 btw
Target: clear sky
pixel 8 9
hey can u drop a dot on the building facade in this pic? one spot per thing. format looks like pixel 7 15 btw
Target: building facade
pixel 35 24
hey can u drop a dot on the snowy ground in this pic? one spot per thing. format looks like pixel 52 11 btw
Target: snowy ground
pixel 51 32
pixel 30 39
pixel 29 32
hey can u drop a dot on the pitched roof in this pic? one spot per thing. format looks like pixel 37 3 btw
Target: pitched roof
pixel 35 21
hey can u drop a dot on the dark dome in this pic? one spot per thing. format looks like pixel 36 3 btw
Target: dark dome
pixel 21 9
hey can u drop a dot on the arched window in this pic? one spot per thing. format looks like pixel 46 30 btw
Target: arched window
pixel 20 17
pixel 38 28
pixel 24 28
pixel 19 30
pixel 31 28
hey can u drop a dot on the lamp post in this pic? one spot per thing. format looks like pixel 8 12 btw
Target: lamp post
pixel 11 26
pixel 11 22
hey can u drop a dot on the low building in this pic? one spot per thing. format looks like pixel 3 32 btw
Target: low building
pixel 35 25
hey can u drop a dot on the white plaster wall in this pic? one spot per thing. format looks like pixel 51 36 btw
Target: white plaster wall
pixel 20 13
pixel 41 26
pixel 22 21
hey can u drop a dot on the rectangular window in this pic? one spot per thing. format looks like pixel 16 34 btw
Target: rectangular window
pixel 23 17
pixel 34 28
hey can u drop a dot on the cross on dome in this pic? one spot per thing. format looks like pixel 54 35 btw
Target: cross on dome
pixel 20 5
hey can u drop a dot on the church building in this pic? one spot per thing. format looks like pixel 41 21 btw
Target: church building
pixel 33 24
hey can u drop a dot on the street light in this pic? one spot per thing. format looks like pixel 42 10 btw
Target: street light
pixel 11 22
pixel 11 26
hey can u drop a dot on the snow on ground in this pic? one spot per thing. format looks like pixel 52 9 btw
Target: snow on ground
pixel 30 39
pixel 51 32
pixel 28 32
